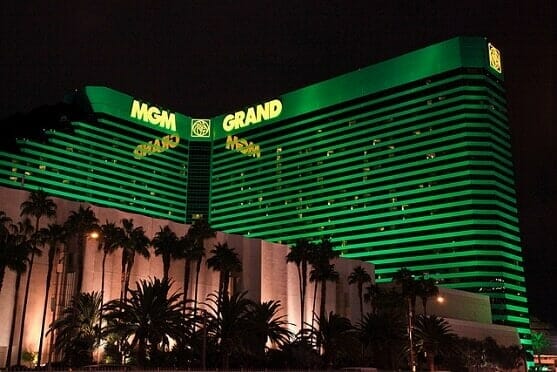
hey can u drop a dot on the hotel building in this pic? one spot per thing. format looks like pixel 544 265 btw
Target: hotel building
pixel 405 163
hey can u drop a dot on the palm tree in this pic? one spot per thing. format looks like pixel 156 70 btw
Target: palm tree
pixel 383 334
pixel 229 323
pixel 51 236
pixel 225 260
pixel 540 344
pixel 188 249
pixel 149 317
pixel 38 205
pixel 322 271
pixel 134 241
pixel 78 331
pixel 5 224
pixel 300 254
pixel 405 279
pixel 335 332
pixel 18 247
pixel 426 288
pixel 79 224
pixel 359 276
pixel 264 324
pixel 166 245
pixel 433 336
pixel 111 239
pixel 199 232
pixel 371 295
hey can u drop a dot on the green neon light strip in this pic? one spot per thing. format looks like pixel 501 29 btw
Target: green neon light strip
pixel 88 131
pixel 414 66
pixel 126 155
pixel 96 163
pixel 378 203
pixel 155 186
pixel 72 196
pixel 38 174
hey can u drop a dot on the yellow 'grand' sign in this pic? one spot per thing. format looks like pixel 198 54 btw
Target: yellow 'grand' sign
pixel 253 115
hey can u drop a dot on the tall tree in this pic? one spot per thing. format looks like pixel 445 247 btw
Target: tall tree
pixel 263 325
pixel 37 205
pixel 405 279
pixel 229 318
pixel 323 271
pixel 19 249
pixel 433 336
pixel 134 242
pixel 300 254
pixel 165 243
pixel 359 276
pixel 187 249
pixel 335 332
pixel 225 260
pixel 111 238
pixel 200 231
pixel 77 329
pixel 540 344
pixel 50 236
pixel 383 334
pixel 80 224
pixel 372 292
pixel 5 225
pixel 426 288
pixel 150 317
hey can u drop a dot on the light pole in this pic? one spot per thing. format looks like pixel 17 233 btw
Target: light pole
pixel 410 336
pixel 204 346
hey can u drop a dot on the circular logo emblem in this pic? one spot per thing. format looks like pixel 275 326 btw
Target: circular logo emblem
pixel 200 128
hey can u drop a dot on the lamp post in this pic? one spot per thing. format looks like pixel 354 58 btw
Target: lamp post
pixel 204 346
pixel 410 336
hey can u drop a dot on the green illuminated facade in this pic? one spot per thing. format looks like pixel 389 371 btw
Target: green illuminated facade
pixel 403 163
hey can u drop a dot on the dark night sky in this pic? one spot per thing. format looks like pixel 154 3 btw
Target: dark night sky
pixel 202 58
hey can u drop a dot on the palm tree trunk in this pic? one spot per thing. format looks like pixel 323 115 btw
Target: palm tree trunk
pixel 314 301
pixel 187 274
pixel 2 273
pixel 51 253
pixel 323 299
pixel 301 298
pixel 105 253
pixel 123 277
pixel 166 266
pixel 56 304
pixel 431 362
pixel 322 308
pixel 24 310
pixel 12 328
pixel 127 280
pixel 198 269
pixel 81 242
pixel 102 278
pixel 304 287
pixel 225 285
pixel 360 297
